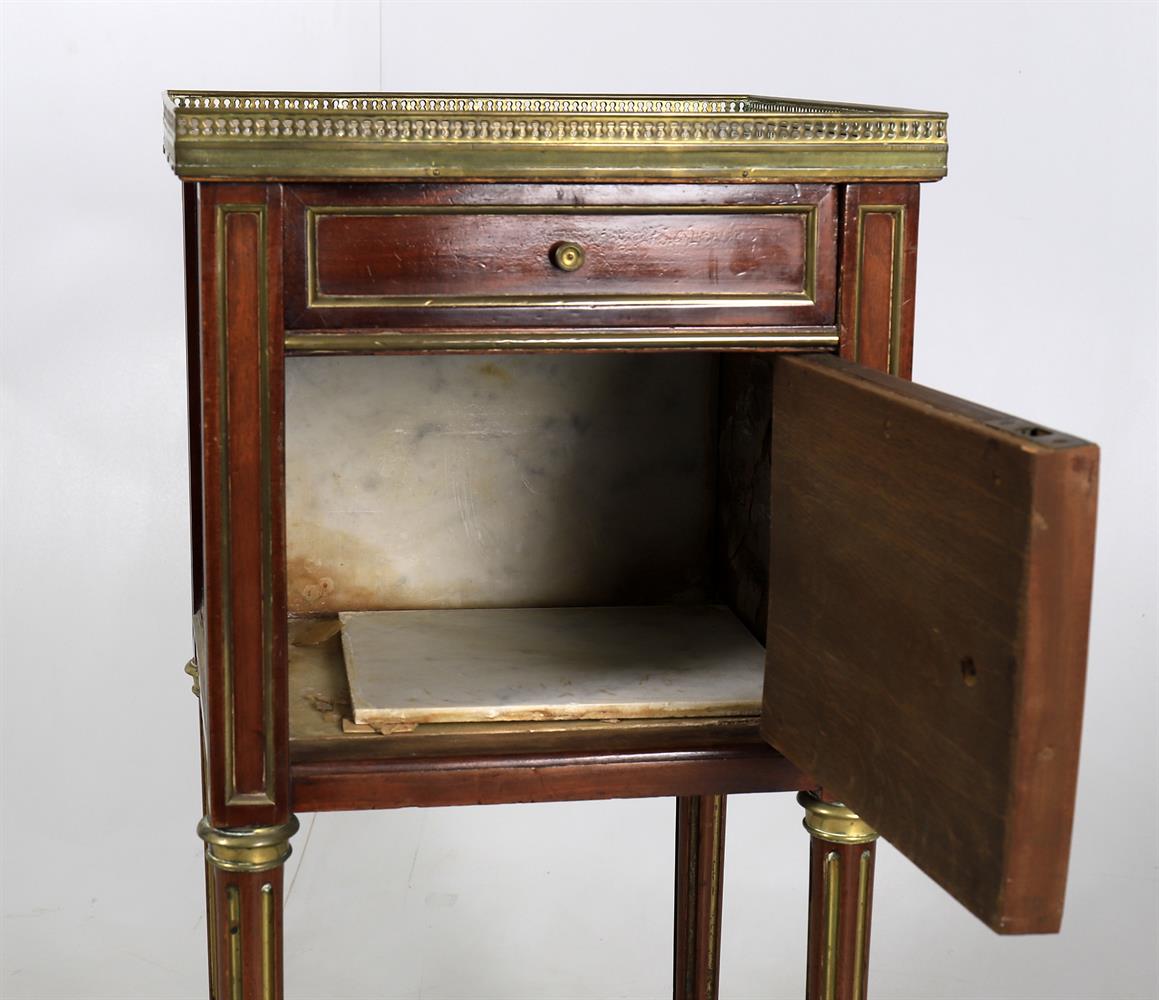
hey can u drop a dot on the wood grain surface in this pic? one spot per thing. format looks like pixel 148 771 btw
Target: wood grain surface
pixel 879 259
pixel 700 826
pixel 929 600
pixel 446 256
pixel 242 661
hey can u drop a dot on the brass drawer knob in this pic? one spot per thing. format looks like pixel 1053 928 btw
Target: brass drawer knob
pixel 567 256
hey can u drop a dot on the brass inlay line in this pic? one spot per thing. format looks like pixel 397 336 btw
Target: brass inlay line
pixel 233 917
pixel 211 929
pixel 714 895
pixel 862 926
pixel 832 909
pixel 269 943
pixel 232 795
pixel 690 880
pixel 686 338
pixel 316 299
pixel 896 214
pixel 223 474
pixel 266 502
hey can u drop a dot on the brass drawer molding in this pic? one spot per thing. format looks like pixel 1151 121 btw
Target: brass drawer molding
pixel 690 338
pixel 220 135
pixel 809 253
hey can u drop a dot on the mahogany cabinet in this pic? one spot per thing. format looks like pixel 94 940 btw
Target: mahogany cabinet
pixel 588 421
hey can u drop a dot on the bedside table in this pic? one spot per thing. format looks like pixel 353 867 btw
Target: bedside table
pixel 561 447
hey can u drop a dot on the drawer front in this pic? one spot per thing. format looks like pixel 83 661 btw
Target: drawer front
pixel 648 256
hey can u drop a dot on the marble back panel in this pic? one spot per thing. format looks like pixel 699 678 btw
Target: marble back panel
pixel 498 481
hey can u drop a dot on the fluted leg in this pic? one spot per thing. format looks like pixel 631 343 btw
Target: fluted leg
pixel 840 900
pixel 244 901
pixel 699 882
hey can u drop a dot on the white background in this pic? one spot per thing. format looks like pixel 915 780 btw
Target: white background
pixel 1036 294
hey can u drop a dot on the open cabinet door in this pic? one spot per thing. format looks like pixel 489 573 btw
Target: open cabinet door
pixel 928 611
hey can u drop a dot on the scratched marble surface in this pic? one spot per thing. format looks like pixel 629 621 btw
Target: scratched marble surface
pixel 487 481
pixel 509 664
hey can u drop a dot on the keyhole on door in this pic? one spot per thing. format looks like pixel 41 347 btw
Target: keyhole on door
pixel 969 672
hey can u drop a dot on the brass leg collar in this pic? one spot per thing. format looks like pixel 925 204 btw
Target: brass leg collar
pixel 833 822
pixel 247 849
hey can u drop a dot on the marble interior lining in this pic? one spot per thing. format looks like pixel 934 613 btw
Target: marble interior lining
pixel 514 664
pixel 498 481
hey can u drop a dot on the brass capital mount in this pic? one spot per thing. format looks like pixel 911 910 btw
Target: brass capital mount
pixel 247 849
pixel 834 822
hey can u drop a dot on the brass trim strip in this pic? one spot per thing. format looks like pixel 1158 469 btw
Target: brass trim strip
pixel 221 230
pixel 247 849
pixel 266 503
pixel 862 925
pixel 233 915
pixel 834 822
pixel 211 929
pixel 897 276
pixel 831 868
pixel 710 972
pixel 269 944
pixel 566 338
pixel 692 822
pixel 223 474
pixel 316 299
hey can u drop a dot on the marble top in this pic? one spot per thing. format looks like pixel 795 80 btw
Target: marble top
pixel 511 664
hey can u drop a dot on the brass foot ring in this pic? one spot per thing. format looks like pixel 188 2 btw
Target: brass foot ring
pixel 834 822
pixel 247 849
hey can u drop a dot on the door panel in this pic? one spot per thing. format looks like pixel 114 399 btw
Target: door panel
pixel 929 601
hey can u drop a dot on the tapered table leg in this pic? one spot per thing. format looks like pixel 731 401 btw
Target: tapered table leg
pixel 840 900
pixel 244 879
pixel 699 881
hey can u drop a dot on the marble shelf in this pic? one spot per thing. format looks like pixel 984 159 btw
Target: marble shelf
pixel 531 664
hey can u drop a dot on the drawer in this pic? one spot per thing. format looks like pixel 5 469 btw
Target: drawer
pixel 456 256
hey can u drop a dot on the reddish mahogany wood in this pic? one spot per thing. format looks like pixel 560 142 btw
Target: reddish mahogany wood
pixel 929 599
pixel 494 241
pixel 700 826
pixel 703 734
pixel 878 268
pixel 242 662
pixel 876 326
pixel 193 383
pixel 245 928
pixel 850 953
pixel 475 780
pixel 465 254
pixel 879 244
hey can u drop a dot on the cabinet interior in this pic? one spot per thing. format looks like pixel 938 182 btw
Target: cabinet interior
pixel 630 483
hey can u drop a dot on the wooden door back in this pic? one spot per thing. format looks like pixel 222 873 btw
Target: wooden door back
pixel 929 602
